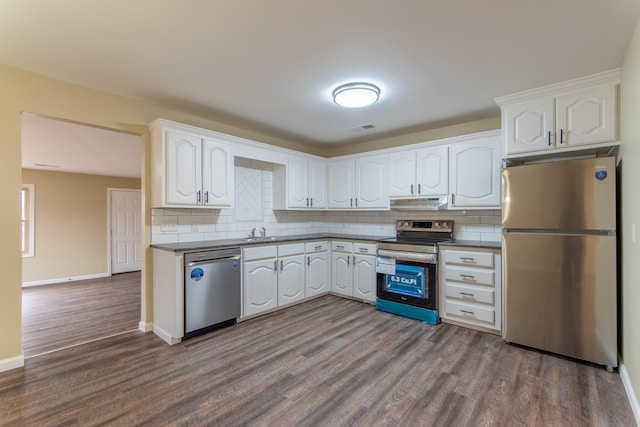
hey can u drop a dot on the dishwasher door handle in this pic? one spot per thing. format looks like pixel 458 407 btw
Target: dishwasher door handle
pixel 212 261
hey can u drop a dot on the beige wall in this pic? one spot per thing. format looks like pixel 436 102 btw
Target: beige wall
pixel 630 154
pixel 70 224
pixel 24 91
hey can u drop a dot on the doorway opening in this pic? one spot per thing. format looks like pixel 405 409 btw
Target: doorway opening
pixel 86 180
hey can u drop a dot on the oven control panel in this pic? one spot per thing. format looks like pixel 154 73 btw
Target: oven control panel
pixel 424 225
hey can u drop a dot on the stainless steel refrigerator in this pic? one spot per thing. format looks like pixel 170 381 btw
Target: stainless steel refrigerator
pixel 559 258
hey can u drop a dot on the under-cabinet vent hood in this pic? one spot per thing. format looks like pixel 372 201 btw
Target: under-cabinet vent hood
pixel 426 203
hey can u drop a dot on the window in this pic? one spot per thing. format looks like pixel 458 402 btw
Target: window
pixel 27 213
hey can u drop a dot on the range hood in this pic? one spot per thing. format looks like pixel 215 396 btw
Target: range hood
pixel 423 203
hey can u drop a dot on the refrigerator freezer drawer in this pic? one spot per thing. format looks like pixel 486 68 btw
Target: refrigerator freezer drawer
pixel 560 294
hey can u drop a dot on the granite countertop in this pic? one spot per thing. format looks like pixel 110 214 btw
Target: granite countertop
pixel 236 243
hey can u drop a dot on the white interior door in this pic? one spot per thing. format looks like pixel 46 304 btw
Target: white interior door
pixel 126 253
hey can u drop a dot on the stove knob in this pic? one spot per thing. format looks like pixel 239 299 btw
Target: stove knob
pixel 445 225
pixel 406 224
pixel 436 225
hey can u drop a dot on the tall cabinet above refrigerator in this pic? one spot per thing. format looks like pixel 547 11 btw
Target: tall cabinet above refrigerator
pixel 559 258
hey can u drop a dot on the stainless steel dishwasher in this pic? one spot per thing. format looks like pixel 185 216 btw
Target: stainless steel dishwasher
pixel 211 290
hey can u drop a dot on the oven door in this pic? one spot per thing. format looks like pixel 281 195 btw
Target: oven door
pixel 413 283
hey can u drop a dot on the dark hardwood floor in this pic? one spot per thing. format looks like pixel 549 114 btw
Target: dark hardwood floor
pixel 62 315
pixel 327 362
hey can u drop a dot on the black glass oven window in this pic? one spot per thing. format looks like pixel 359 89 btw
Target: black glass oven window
pixel 408 280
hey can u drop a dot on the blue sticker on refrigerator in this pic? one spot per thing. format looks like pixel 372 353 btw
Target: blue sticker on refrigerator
pixel 601 175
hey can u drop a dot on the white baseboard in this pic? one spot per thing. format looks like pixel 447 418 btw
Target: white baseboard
pixel 631 395
pixel 64 280
pixel 12 363
pixel 165 336
pixel 145 326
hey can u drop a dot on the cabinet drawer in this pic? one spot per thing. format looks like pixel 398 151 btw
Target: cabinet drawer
pixel 259 252
pixel 469 293
pixel 472 276
pixel 474 259
pixel 340 246
pixel 292 249
pixel 311 247
pixel 364 248
pixel 470 312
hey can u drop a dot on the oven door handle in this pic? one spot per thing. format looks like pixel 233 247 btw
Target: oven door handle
pixel 409 256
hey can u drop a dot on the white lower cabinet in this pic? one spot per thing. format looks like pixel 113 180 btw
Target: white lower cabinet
pixel 353 269
pixel 291 273
pixel 318 277
pixel 260 279
pixel 471 287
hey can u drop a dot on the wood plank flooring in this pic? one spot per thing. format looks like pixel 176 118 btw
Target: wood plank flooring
pixel 61 315
pixel 326 362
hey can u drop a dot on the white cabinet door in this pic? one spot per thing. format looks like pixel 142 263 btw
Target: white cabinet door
pixel 217 174
pixel 586 117
pixel 475 173
pixel 318 280
pixel 298 182
pixel 291 279
pixel 371 182
pixel 364 277
pixel 183 169
pixel 432 171
pixel 529 126
pixel 341 184
pixel 402 174
pixel 260 282
pixel 317 184
pixel 341 274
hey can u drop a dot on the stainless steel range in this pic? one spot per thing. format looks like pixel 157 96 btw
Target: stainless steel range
pixel 407 279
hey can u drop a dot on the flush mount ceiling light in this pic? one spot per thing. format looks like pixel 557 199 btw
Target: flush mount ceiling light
pixel 356 95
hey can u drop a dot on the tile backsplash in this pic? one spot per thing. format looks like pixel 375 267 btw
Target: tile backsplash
pixel 253 209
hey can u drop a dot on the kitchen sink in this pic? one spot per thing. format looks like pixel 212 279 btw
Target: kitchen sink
pixel 261 239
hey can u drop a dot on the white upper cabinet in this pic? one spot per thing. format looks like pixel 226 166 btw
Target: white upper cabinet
pixel 217 174
pixel 475 173
pixel 419 173
pixel 183 176
pixel 359 183
pixel 562 117
pixel 587 117
pixel 190 170
pixel 302 184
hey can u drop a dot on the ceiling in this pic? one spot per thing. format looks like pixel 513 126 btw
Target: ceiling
pixel 61 146
pixel 270 65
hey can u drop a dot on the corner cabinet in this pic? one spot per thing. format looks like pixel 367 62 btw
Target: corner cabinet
pixel 359 183
pixel 568 116
pixel 474 176
pixel 191 169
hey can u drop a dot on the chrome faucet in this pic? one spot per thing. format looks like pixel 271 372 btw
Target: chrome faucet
pixel 263 232
pixel 253 232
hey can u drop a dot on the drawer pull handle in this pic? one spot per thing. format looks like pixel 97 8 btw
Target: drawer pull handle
pixel 468 259
pixel 364 250
pixel 466 294
pixel 317 248
pixel 467 312
pixel 466 277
